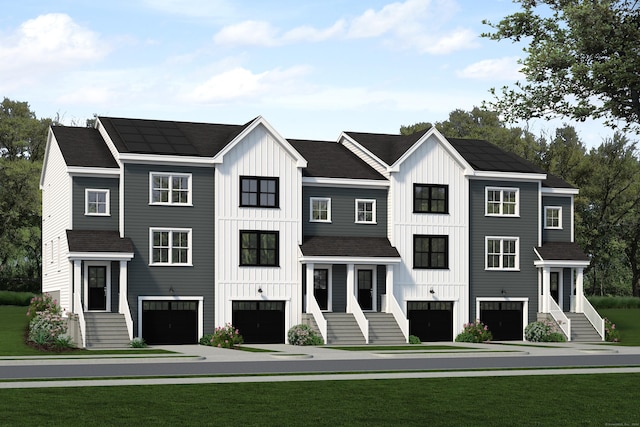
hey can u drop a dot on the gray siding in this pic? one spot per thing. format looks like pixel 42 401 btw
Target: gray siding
pixel 84 222
pixel 566 289
pixel 523 283
pixel 339 288
pixel 381 285
pixel 343 210
pixel 554 235
pixel 197 280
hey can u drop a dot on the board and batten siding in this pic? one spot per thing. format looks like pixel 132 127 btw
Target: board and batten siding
pixel 343 212
pixel 558 235
pixel 258 154
pixel 57 274
pixel 140 216
pixel 431 163
pixel 516 284
pixel 95 222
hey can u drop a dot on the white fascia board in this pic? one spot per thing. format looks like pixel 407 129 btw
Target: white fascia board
pixel 50 139
pixel 164 159
pixel 561 263
pixel 301 162
pixel 348 260
pixel 508 176
pixel 560 191
pixel 100 256
pixel 107 139
pixel 93 172
pixel 343 135
pixel 344 182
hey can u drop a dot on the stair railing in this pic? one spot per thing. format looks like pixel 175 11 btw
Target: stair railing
pixel 314 309
pixel 77 303
pixel 363 322
pixel 394 308
pixel 592 316
pixel 123 308
pixel 561 319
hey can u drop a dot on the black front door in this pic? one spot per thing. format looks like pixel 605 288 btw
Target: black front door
pixel 97 297
pixel 365 289
pixel 321 287
pixel 554 286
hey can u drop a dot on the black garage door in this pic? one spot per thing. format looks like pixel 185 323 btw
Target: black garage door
pixel 431 320
pixel 259 322
pixel 170 322
pixel 504 319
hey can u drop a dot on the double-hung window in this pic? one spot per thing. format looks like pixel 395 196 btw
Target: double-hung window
pixel 502 253
pixel 170 246
pixel 502 201
pixel 430 198
pixel 260 192
pixel 259 248
pixel 365 211
pixel 320 209
pixel 430 251
pixel 96 202
pixel 169 189
pixel 553 217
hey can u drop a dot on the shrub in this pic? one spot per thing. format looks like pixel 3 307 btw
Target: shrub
pixel 43 303
pixel 303 335
pixel 46 327
pixel 414 340
pixel 543 331
pixel 224 337
pixel 474 332
pixel 15 298
pixel 63 341
pixel 614 302
pixel 137 342
pixel 206 339
pixel 611 334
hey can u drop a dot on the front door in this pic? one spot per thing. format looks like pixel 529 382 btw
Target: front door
pixel 321 287
pixel 365 289
pixel 97 284
pixel 554 286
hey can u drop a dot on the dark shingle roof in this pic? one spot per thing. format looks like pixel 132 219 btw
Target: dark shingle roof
pixel 553 181
pixel 346 246
pixel 562 251
pixel 83 147
pixel 387 148
pixel 484 156
pixel 98 241
pixel 332 160
pixel 169 137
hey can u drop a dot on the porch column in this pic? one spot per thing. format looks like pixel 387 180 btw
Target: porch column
pixel 77 286
pixel 124 285
pixel 546 288
pixel 389 283
pixel 579 289
pixel 351 280
pixel 309 273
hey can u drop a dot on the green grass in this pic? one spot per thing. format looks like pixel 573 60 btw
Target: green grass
pixel 614 302
pixel 15 298
pixel 412 347
pixel 494 401
pixel 627 321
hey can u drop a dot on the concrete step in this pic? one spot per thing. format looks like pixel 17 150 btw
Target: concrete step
pixel 342 329
pixel 384 330
pixel 106 330
pixel 581 329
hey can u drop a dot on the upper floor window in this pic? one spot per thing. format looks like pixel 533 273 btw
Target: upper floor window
pixel 430 198
pixel 502 201
pixel 430 251
pixel 553 217
pixel 320 208
pixel 259 248
pixel 170 189
pixel 366 211
pixel 96 202
pixel 258 192
pixel 170 246
pixel 502 253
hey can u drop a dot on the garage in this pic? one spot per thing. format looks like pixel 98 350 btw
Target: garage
pixel 260 322
pixel 431 320
pixel 170 322
pixel 504 319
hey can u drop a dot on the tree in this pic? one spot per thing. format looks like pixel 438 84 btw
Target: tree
pixel 22 135
pixel 583 61
pixel 565 156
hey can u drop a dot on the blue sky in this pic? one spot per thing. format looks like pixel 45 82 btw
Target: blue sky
pixel 311 68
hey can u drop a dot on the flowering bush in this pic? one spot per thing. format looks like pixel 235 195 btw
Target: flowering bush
pixel 45 302
pixel 611 334
pixel 543 331
pixel 303 335
pixel 46 327
pixel 474 332
pixel 224 337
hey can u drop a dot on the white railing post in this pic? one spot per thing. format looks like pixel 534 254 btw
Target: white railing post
pixel 592 315
pixel 123 301
pixel 358 314
pixel 77 301
pixel 561 319
pixel 398 315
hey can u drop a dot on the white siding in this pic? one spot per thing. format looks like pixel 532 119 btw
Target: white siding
pixel 56 219
pixel 259 154
pixel 431 163
pixel 381 169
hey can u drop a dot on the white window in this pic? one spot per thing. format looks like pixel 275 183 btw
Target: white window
pixel 553 217
pixel 96 202
pixel 365 211
pixel 320 209
pixel 169 189
pixel 502 253
pixel 502 201
pixel 170 246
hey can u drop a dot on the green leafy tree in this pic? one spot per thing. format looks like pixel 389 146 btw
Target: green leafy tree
pixel 582 61
pixel 22 135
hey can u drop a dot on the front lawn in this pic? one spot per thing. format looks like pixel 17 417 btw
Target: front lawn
pixel 558 400
pixel 627 321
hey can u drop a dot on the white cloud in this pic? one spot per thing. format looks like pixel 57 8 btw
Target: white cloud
pixel 192 8
pixel 257 33
pixel 493 69
pixel 393 17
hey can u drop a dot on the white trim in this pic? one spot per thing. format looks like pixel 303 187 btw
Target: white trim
pixel 100 256
pixel 560 191
pixel 509 176
pixel 92 171
pixel 348 260
pixel 525 307
pixel 171 298
pixel 85 283
pixel 170 262
pixel 169 201
pixel 502 240
pixel 107 193
pixel 320 199
pixel 501 202
pixel 373 211
pixel 165 159
pixel 559 209
pixel 345 182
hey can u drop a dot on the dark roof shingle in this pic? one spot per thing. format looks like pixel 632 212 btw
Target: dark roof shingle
pixel 83 147
pixel 562 251
pixel 98 241
pixel 348 246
